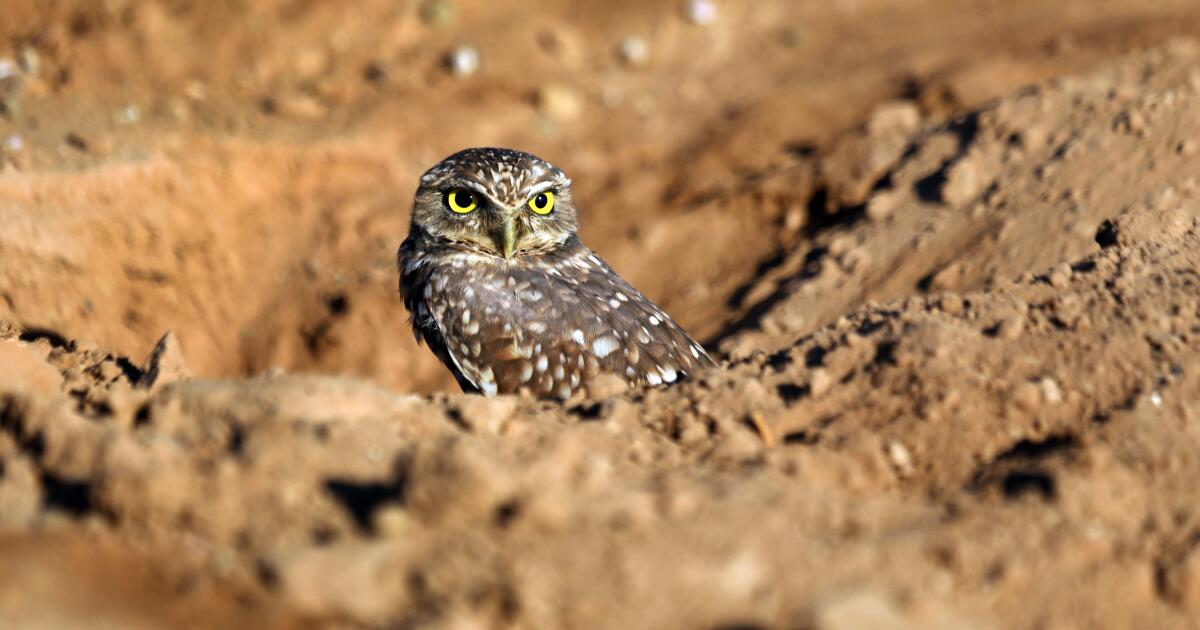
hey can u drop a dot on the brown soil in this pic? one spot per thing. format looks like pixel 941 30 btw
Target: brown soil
pixel 948 250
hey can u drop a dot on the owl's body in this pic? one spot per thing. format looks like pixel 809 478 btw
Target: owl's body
pixel 503 291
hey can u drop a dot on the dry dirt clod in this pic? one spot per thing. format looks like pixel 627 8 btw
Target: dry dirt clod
pixel 819 382
pixel 1060 277
pixel 861 610
pixel 1011 327
pixel 604 386
pixel 486 415
pixel 963 183
pixel 881 205
pixel 897 118
pixel 24 370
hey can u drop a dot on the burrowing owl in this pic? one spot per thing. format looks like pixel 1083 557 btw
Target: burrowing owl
pixel 500 287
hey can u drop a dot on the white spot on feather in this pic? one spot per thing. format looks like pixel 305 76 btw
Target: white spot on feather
pixel 668 373
pixel 604 346
pixel 577 336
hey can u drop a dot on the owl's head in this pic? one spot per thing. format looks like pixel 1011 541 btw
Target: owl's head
pixel 496 201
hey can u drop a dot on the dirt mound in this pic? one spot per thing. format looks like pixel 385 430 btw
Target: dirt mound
pixel 934 462
pixel 960 334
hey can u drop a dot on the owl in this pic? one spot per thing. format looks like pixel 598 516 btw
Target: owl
pixel 501 289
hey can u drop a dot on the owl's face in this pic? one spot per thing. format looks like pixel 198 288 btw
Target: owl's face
pixel 497 202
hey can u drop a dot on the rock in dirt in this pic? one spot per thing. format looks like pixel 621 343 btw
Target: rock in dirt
pixel 165 365
pixel 861 610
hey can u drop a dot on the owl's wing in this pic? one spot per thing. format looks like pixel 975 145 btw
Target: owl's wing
pixel 654 349
pixel 550 330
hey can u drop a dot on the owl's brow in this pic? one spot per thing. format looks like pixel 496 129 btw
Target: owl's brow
pixel 529 191
pixel 457 182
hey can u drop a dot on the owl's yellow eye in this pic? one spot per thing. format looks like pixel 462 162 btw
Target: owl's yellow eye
pixel 542 203
pixel 462 201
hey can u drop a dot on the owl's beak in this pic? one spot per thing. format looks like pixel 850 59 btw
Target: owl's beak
pixel 509 237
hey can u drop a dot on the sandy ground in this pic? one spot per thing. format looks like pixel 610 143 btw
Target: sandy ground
pixel 948 252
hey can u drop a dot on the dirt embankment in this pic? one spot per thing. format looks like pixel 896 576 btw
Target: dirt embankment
pixel 961 388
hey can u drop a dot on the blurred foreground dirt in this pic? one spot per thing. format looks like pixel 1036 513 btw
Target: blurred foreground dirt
pixel 950 252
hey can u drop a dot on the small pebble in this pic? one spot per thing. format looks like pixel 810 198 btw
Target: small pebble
pixel 859 610
pixel 633 50
pixel 196 90
pixel 882 204
pixel 463 61
pixel 1060 277
pixel 129 114
pixel 29 60
pixel 700 12
pixel 819 382
pixel 1028 396
pixel 559 102
pixel 962 183
pixel 393 522
pixel 10 83
pixel 951 304
pixel 437 12
pixel 901 458
pixel 1012 327
pixel 1050 391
